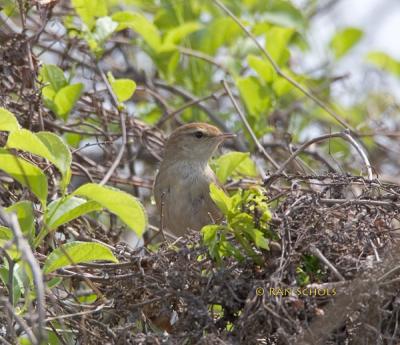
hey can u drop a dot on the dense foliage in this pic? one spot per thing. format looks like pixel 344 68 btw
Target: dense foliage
pixel 89 89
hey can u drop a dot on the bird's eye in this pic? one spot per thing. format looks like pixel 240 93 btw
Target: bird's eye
pixel 198 134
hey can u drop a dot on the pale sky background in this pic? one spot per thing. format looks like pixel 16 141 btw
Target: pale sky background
pixel 380 21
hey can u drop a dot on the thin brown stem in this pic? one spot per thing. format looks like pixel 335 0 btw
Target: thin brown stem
pixel 344 135
pixel 183 107
pixel 248 127
pixel 11 221
pixel 121 151
pixel 314 250
pixel 202 56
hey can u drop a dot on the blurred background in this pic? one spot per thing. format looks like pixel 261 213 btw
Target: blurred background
pixel 380 23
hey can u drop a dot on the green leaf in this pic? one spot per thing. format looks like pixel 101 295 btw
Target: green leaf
pixel 5 233
pixel 230 162
pixel 247 168
pixel 172 65
pixel 77 252
pixel 141 25
pixel 283 13
pixel 221 31
pixel 27 141
pixel 177 34
pixel 64 210
pixel 73 139
pixel 46 145
pixel 277 41
pixel 48 94
pixel 23 273
pixel 53 282
pixel 59 96
pixel 253 95
pixel 66 98
pixel 242 222
pixel 384 62
pixel 211 240
pixel 262 67
pixel 97 38
pixel 61 155
pixel 16 286
pixel 13 251
pixel 8 121
pixel 123 88
pixel 54 75
pixel 89 10
pixel 209 233
pixel 122 204
pixel 26 219
pixel 220 198
pixel 105 26
pixel 344 40
pixel 258 238
pixel 88 298
pixel 281 19
pixel 25 173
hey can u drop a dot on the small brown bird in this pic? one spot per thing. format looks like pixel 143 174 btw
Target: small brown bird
pixel 181 188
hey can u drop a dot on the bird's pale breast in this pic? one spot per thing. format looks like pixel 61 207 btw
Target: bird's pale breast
pixel 186 199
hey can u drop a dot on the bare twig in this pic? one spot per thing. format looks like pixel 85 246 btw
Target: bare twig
pixel 336 312
pixel 162 215
pixel 344 135
pixel 388 273
pixel 4 341
pixel 315 154
pixel 21 322
pixel 84 170
pixel 123 128
pixel 66 316
pixel 10 288
pixel 185 106
pixel 11 221
pixel 248 127
pixel 314 250
pixel 366 202
pixel 202 56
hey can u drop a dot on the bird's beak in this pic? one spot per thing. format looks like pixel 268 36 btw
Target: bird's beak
pixel 225 136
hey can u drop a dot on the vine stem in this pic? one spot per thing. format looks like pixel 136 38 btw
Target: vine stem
pixel 344 135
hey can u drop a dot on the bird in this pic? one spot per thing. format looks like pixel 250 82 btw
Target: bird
pixel 181 187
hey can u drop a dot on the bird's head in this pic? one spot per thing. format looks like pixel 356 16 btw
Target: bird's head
pixel 194 141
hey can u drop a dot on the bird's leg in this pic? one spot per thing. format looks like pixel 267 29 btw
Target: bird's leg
pixel 162 216
pixel 161 229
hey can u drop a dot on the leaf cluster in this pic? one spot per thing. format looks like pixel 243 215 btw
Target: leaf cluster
pixel 247 215
pixel 16 160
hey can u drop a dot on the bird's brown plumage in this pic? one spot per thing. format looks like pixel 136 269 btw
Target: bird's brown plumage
pixel 181 188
